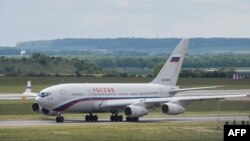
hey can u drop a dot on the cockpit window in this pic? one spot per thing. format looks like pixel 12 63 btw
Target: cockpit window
pixel 44 94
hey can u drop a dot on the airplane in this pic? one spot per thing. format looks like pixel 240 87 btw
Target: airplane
pixel 134 99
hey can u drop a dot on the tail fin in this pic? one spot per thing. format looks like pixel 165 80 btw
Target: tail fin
pixel 170 71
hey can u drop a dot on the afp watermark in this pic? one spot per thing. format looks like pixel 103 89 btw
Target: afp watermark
pixel 236 132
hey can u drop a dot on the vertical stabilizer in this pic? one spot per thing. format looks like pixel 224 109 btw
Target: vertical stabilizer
pixel 170 71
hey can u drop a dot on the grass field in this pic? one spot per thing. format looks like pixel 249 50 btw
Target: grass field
pixel 17 84
pixel 16 109
pixel 117 132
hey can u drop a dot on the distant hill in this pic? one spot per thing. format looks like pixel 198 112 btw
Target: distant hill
pixel 102 45
pixel 9 51
pixel 140 45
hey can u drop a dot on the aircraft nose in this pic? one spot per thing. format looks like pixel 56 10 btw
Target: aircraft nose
pixel 43 102
pixel 38 100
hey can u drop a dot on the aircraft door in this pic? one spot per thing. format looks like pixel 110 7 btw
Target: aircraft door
pixel 63 94
pixel 89 92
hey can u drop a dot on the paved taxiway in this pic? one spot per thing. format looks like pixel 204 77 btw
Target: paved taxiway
pixel 13 96
pixel 142 120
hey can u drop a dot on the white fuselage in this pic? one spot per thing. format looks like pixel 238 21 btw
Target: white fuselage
pixel 88 98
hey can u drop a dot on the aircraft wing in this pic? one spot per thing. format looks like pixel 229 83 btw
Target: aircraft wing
pixel 191 89
pixel 192 98
pixel 151 102
pixel 154 102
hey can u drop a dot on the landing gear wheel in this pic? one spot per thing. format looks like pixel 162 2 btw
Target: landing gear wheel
pixel 120 118
pixel 135 119
pixel 116 118
pixel 132 119
pixel 90 118
pixel 112 118
pixel 87 118
pixel 59 119
pixel 95 118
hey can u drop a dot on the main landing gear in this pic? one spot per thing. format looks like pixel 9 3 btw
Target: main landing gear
pixel 59 119
pixel 116 117
pixel 91 118
pixel 132 119
pixel 94 118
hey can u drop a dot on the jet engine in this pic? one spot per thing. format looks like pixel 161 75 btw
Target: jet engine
pixel 172 108
pixel 48 112
pixel 135 111
pixel 35 107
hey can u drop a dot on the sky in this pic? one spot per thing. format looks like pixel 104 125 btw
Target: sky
pixel 25 20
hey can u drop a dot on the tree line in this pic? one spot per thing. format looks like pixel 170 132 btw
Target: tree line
pixel 190 61
pixel 42 65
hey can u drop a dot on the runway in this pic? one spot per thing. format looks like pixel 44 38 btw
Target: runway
pixel 14 96
pixel 12 123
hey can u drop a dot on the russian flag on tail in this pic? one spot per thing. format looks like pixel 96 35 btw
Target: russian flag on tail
pixel 175 59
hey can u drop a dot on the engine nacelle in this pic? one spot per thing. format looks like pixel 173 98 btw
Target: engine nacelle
pixel 48 112
pixel 172 109
pixel 35 107
pixel 135 111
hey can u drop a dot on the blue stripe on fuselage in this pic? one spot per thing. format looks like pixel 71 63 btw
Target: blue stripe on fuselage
pixel 71 103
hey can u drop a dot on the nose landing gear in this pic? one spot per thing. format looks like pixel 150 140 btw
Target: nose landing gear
pixel 59 119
